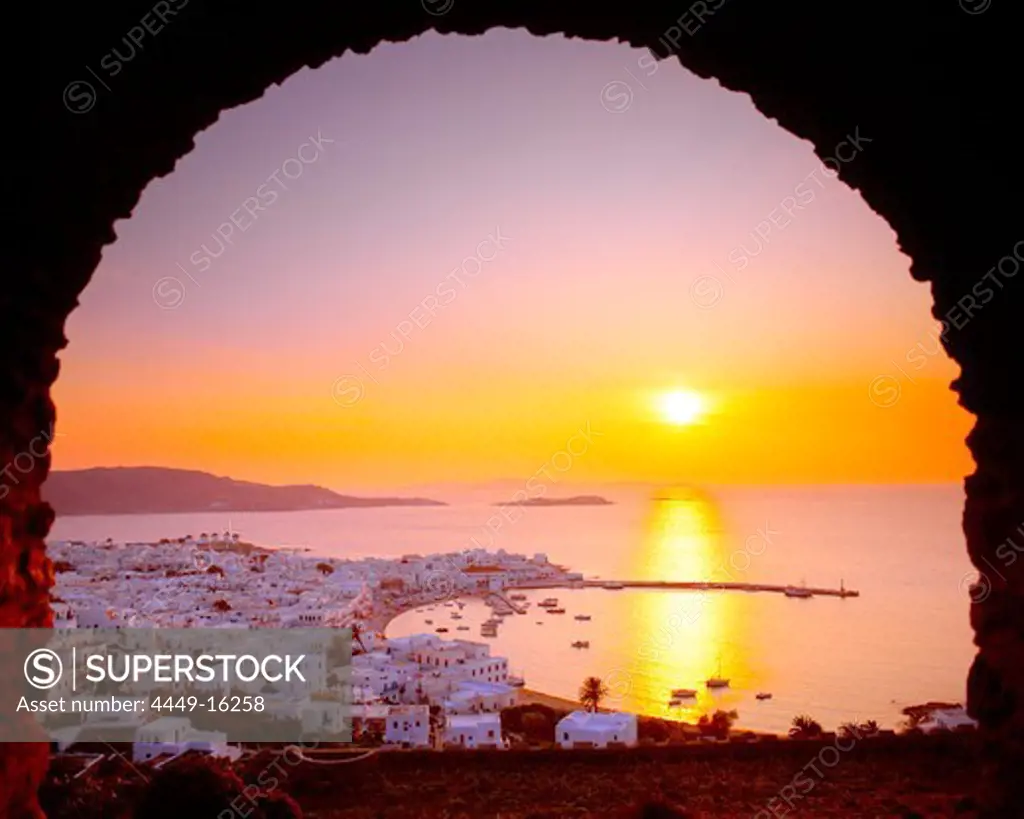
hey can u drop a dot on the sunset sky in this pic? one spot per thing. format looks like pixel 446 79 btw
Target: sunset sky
pixel 812 350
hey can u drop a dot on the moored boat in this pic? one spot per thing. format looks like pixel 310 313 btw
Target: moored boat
pixel 683 693
pixel 717 681
pixel 763 695
pixel 582 617
pixel 581 644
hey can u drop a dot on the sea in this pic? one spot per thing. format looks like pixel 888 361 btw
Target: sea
pixel 905 640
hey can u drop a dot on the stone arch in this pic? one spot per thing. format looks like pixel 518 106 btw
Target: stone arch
pixel 925 81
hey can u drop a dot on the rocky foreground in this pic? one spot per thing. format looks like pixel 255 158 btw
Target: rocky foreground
pixel 896 776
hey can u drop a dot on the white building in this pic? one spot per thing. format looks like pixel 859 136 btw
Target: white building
pixel 175 735
pixel 474 697
pixel 474 731
pixel 947 719
pixel 596 729
pixel 408 724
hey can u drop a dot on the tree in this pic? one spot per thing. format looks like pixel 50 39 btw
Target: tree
pixel 215 569
pixel 221 605
pixel 592 692
pixel 718 724
pixel 537 727
pixel 325 568
pixel 858 730
pixel 805 727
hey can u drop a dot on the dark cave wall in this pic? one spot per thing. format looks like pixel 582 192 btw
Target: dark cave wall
pixel 932 87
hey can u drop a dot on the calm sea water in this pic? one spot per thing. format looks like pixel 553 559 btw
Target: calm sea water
pixel 906 639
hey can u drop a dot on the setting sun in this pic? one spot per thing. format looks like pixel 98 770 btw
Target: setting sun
pixel 682 407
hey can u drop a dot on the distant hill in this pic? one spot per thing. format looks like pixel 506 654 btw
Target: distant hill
pixel 577 500
pixel 141 490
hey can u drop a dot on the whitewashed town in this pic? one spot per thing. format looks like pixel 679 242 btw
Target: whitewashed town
pixel 417 691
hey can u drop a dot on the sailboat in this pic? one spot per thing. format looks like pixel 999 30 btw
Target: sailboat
pixel 717 681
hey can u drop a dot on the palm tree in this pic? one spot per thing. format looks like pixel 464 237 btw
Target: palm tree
pixel 805 727
pixel 592 692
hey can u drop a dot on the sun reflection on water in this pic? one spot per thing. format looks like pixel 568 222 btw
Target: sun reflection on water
pixel 679 636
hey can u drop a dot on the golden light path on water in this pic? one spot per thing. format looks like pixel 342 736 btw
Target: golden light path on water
pixel 677 639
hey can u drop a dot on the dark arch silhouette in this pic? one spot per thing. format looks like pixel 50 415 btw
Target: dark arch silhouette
pixel 933 84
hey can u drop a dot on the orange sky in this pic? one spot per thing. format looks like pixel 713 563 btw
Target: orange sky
pixel 597 231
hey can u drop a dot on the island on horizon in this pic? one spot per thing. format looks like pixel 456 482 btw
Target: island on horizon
pixel 142 490
pixel 575 500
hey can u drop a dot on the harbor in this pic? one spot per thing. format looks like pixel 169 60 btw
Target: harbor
pixel 704 585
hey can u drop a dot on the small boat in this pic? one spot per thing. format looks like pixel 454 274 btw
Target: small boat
pixel 763 695
pixel 683 693
pixel 429 622
pixel 441 630
pixel 548 603
pixel 515 682
pixel 581 644
pixel 462 628
pixel 456 616
pixel 582 617
pixel 556 611
pixel 798 591
pixel 717 681
pixel 517 597
pixel 540 622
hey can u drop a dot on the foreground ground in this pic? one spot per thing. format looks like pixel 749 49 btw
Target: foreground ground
pixel 898 777
pixel 912 776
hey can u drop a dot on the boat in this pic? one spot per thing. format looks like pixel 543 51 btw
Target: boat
pixel 581 644
pixel 683 693
pixel 517 597
pixel 441 630
pixel 540 622
pixel 556 611
pixel 582 617
pixel 514 681
pixel 488 631
pixel 462 628
pixel 764 695
pixel 613 585
pixel 798 591
pixel 429 622
pixel 456 616
pixel 548 603
pixel 717 681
